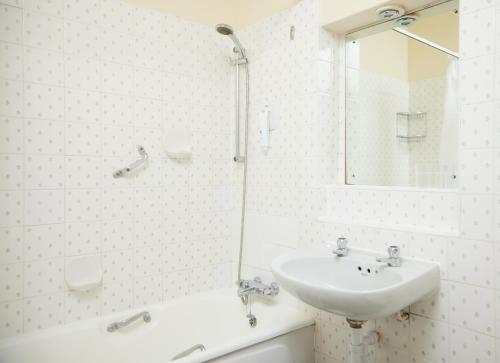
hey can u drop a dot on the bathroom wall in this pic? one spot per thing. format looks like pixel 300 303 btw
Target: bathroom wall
pixel 460 229
pixel 81 84
pixel 291 78
pixel 295 80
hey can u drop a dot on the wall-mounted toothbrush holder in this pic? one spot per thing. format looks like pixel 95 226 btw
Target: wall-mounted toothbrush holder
pixel 135 165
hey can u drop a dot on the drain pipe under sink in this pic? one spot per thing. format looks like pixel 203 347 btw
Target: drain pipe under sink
pixel 359 340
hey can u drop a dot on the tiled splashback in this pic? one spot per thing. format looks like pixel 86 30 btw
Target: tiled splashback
pixel 432 211
pixel 81 84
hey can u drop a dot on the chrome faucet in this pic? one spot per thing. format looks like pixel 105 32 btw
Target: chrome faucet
pixel 256 287
pixel 394 259
pixel 342 249
pixel 122 324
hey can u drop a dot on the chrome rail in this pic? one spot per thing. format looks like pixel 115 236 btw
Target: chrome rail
pixel 136 164
pixel 122 324
pixel 188 351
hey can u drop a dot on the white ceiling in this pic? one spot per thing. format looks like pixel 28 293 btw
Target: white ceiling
pixel 237 13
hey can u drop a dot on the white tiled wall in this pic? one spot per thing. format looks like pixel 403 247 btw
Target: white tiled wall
pixel 81 84
pixel 458 324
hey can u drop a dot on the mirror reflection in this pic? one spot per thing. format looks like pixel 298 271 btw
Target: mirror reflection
pixel 402 101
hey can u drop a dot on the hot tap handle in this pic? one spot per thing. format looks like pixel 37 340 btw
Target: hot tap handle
pixel 394 251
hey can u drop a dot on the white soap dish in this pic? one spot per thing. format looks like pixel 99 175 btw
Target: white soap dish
pixel 84 273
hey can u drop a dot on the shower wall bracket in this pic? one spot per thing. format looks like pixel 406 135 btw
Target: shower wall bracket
pixel 237 63
pixel 135 165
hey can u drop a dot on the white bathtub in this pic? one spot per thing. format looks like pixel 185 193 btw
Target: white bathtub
pixel 218 321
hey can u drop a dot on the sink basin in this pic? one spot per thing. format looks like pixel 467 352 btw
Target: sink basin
pixel 355 286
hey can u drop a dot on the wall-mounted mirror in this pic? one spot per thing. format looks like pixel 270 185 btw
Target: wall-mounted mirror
pixel 402 100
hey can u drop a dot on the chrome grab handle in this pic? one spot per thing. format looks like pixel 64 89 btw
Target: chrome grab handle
pixel 188 351
pixel 128 169
pixel 122 324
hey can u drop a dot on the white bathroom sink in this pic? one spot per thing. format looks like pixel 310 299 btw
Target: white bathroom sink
pixel 355 286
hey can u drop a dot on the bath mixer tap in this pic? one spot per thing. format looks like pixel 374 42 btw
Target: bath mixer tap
pixel 256 287
pixel 122 324
pixel 394 259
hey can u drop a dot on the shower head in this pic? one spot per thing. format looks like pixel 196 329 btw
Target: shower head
pixel 225 29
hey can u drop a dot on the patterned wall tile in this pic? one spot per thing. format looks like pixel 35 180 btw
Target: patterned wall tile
pixel 12 18
pixel 11 245
pixel 43 31
pixel 471 307
pixel 82 238
pixel 117 297
pixel 45 102
pixel 44 137
pixel 472 262
pixel 49 7
pixel 11 287
pixel 83 205
pixel 44 172
pixel 44 242
pixel 42 277
pixel 467 346
pixel 81 305
pixel 429 338
pixel 81 39
pixel 82 11
pixel 11 61
pixel 477 217
pixel 11 208
pixel 44 207
pixel 12 93
pixel 43 66
pixel 11 141
pixel 43 312
pixel 11 174
pixel 11 318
